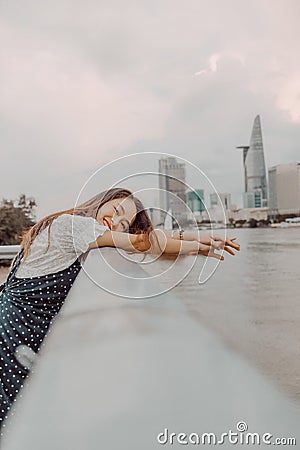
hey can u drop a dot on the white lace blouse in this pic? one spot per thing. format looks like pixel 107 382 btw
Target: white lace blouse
pixel 70 237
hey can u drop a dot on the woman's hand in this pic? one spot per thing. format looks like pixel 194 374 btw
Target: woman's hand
pixel 216 242
pixel 209 250
pixel 220 243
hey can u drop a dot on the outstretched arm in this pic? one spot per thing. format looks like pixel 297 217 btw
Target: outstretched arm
pixel 134 242
pixel 109 238
pixel 214 241
pixel 166 245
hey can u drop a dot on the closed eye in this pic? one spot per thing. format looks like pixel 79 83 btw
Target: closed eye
pixel 127 226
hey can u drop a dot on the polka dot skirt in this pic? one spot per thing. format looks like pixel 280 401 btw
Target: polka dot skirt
pixel 27 308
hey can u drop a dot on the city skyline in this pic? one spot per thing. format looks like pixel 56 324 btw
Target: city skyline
pixel 282 189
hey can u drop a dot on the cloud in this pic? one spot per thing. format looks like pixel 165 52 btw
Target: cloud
pixel 216 58
pixel 54 93
pixel 82 83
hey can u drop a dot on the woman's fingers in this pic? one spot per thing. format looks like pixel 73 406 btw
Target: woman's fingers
pixel 224 245
pixel 209 250
pixel 212 254
pixel 228 249
pixel 218 240
pixel 217 256
pixel 233 244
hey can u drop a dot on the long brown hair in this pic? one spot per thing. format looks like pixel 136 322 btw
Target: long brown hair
pixel 142 224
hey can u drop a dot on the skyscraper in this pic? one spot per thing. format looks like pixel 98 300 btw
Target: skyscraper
pixel 195 200
pixel 172 188
pixel 255 169
pixel 220 198
pixel 220 207
pixel 284 190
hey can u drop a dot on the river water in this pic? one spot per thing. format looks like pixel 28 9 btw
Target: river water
pixel 252 301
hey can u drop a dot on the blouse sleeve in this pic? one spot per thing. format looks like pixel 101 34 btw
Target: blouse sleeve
pixel 75 233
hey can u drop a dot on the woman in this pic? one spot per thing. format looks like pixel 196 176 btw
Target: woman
pixel 50 259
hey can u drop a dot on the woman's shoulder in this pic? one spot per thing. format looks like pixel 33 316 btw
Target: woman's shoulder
pixel 74 224
pixel 72 219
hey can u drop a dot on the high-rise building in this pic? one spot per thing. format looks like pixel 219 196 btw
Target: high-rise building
pixel 255 176
pixel 220 207
pixel 220 198
pixel 284 190
pixel 273 200
pixel 172 188
pixel 195 200
pixel 252 199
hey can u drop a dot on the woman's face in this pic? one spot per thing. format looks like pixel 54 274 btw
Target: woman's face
pixel 118 214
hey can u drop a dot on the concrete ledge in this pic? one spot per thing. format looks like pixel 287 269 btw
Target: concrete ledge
pixel 115 372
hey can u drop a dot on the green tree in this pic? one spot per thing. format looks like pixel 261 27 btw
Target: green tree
pixel 15 218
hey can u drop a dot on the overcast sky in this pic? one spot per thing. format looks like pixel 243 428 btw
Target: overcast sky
pixel 84 82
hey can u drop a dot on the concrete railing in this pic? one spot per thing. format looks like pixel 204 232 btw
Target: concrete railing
pixel 116 372
pixel 8 251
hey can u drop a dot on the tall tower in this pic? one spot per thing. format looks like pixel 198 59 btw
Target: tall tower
pixel 256 190
pixel 245 149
